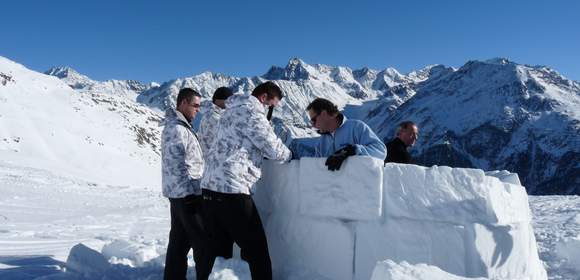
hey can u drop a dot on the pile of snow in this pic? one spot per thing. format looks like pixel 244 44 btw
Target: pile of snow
pixel 389 270
pixel 86 263
pixel 340 224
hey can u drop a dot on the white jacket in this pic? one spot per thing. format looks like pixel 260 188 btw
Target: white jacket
pixel 243 139
pixel 181 157
pixel 208 125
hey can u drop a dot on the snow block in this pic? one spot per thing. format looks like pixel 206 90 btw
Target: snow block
pixel 389 270
pixel 505 176
pixel 86 261
pixel 353 193
pixel 456 195
pixel 439 244
pixel 278 188
pixel 504 252
pixel 130 253
pixel 328 225
pixel 310 246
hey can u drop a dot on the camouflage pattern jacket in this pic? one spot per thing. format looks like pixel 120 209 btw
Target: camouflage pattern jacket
pixel 243 139
pixel 181 157
pixel 208 125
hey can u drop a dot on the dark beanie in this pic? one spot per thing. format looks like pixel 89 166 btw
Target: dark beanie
pixel 222 93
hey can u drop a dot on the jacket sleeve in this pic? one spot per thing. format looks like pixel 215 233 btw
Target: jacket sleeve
pixel 262 135
pixel 369 143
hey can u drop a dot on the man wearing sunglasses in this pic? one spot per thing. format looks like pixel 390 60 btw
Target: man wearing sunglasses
pixel 182 167
pixel 341 137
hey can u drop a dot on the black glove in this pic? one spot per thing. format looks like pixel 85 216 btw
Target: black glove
pixel 335 160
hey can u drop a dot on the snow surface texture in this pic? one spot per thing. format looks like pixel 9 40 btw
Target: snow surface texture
pixel 389 270
pixel 101 138
pixel 557 227
pixel 460 220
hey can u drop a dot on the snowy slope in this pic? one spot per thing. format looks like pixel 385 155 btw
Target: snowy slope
pixel 99 137
pixel 128 89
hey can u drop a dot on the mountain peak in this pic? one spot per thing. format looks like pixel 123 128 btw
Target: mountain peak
pixel 62 72
pixel 296 69
pixel 499 61
pixel 294 62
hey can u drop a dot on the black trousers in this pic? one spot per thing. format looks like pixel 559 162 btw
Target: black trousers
pixel 235 217
pixel 187 231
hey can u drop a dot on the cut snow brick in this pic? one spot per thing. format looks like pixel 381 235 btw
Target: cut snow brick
pixel 86 261
pixel 317 246
pixel 505 176
pixel 354 192
pixel 278 190
pixel 505 252
pixel 439 244
pixel 455 195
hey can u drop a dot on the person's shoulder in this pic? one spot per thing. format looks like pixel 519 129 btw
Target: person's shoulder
pixel 356 123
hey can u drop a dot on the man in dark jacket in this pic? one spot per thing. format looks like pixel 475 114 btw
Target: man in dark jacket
pixel 407 134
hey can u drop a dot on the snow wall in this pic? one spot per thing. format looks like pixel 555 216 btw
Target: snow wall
pixel 338 225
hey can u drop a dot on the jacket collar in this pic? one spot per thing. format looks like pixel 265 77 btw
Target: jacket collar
pixel 181 118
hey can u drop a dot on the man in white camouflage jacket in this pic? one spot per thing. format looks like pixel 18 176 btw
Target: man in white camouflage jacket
pixel 233 165
pixel 212 111
pixel 182 167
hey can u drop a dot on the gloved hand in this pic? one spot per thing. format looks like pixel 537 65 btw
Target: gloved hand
pixel 335 160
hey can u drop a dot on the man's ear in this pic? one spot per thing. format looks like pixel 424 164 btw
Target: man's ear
pixel 263 97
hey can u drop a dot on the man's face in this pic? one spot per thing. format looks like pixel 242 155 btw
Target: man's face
pixel 409 136
pixel 190 109
pixel 322 121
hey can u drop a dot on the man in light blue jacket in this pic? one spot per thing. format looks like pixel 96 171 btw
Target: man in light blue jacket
pixel 340 137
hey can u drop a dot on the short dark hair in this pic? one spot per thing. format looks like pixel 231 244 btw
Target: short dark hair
pixel 222 93
pixel 404 125
pixel 270 88
pixel 186 94
pixel 321 104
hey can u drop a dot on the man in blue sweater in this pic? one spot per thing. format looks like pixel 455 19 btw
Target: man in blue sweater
pixel 340 137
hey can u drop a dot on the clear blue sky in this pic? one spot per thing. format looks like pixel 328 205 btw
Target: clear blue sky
pixel 162 40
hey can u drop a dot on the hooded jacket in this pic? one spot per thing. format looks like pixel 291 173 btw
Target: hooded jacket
pixel 181 157
pixel 243 139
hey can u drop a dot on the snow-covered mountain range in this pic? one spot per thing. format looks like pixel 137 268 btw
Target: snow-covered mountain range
pixel 125 88
pixel 493 114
